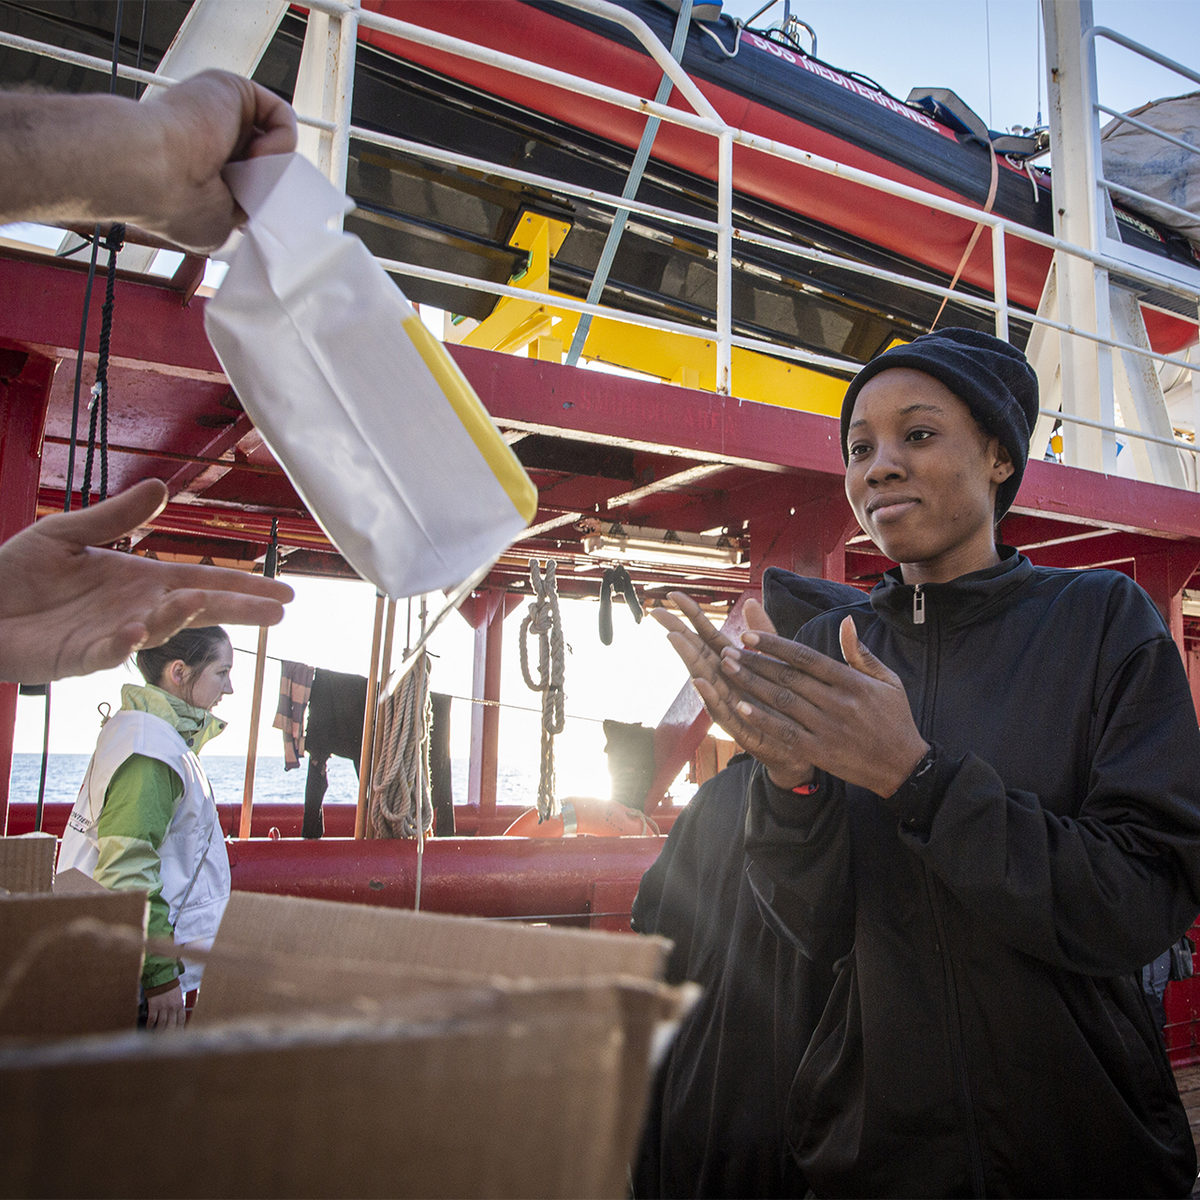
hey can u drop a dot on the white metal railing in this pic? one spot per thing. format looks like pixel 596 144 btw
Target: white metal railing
pixel 704 120
pixel 1101 31
pixel 1000 227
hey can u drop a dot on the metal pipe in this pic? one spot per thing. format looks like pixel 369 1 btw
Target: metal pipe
pixel 169 456
pixel 1126 119
pixel 657 51
pixel 1127 347
pixel 725 263
pixel 678 479
pixel 368 733
pixel 344 95
pixel 486 877
pixel 471 163
pixel 1121 429
pixel 260 666
pixel 859 268
pixel 104 66
pixel 1000 282
pixel 1134 194
pixel 530 70
pixel 632 183
pixel 1112 35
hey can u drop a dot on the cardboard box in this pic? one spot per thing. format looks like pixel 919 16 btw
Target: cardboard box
pixel 27 862
pixel 70 964
pixel 341 1050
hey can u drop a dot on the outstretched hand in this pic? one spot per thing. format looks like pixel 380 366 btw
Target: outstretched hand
pixel 68 608
pixel 851 719
pixel 701 648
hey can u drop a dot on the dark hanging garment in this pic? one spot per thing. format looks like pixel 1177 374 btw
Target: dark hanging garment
pixel 440 780
pixel 336 710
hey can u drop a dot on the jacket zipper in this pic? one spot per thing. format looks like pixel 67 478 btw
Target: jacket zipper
pixel 953 1014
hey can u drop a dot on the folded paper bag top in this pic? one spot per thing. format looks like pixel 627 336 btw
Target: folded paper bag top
pixel 373 422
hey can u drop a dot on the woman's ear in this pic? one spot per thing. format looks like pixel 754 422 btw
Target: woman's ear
pixel 1002 464
pixel 177 672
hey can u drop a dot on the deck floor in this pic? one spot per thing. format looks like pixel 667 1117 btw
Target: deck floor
pixel 1188 1081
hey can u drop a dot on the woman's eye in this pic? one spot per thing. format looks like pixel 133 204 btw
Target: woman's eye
pixel 919 435
pixel 859 449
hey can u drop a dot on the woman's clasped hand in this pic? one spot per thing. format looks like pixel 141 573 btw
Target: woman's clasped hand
pixel 796 709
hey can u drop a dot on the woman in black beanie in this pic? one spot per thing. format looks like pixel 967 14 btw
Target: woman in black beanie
pixel 977 811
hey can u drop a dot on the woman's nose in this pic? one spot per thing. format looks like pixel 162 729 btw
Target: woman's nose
pixel 886 463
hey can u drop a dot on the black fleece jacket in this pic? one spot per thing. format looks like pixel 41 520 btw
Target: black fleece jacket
pixel 986 1033
pixel 715 1119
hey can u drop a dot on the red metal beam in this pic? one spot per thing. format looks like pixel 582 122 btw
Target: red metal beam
pixel 561 401
pixel 1071 494
pixel 288 818
pixel 43 302
pixel 25 381
pixel 483 877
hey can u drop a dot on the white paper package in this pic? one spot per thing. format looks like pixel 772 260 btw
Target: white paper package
pixel 373 422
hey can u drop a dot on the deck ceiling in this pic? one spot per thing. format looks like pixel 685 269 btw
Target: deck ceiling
pixel 587 439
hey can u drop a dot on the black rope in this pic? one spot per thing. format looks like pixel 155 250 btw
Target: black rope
pixel 87 306
pixel 83 324
pixel 98 407
pixel 41 800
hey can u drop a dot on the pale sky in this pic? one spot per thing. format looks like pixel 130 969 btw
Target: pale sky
pixel 898 43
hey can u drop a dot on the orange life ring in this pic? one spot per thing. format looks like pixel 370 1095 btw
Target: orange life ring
pixel 585 816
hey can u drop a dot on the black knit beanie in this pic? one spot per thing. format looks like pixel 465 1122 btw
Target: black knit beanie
pixel 992 378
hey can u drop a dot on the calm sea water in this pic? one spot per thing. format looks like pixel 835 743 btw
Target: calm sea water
pixel 227 773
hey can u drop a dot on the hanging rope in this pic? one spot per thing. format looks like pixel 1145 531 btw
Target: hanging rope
pixel 91 276
pixel 98 407
pixel 544 620
pixel 400 780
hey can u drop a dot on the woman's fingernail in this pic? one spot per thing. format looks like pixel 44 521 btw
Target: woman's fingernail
pixel 749 638
pixel 744 708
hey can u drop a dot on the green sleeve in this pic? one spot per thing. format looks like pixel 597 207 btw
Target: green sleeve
pixel 138 806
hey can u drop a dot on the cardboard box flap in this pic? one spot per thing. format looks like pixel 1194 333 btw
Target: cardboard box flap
pixel 472 947
pixel 539 1095
pixel 27 862
pixel 70 964
pixel 241 983
pixel 73 882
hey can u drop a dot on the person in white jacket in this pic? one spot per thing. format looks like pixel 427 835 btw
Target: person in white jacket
pixel 145 817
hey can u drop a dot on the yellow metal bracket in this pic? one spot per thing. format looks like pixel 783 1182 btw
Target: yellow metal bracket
pixel 541 330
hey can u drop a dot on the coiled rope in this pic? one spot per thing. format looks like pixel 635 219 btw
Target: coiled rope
pixel 401 778
pixel 544 620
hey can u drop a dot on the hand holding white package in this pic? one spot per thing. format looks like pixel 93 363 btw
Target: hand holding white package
pixel 371 419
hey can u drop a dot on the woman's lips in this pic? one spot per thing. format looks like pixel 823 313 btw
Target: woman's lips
pixel 886 511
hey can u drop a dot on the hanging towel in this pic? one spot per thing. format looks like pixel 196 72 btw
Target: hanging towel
pixel 295 684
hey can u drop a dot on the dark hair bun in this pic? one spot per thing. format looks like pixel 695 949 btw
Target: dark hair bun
pixel 196 648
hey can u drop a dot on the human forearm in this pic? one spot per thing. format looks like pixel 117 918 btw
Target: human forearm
pixel 58 158
pixel 1101 894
